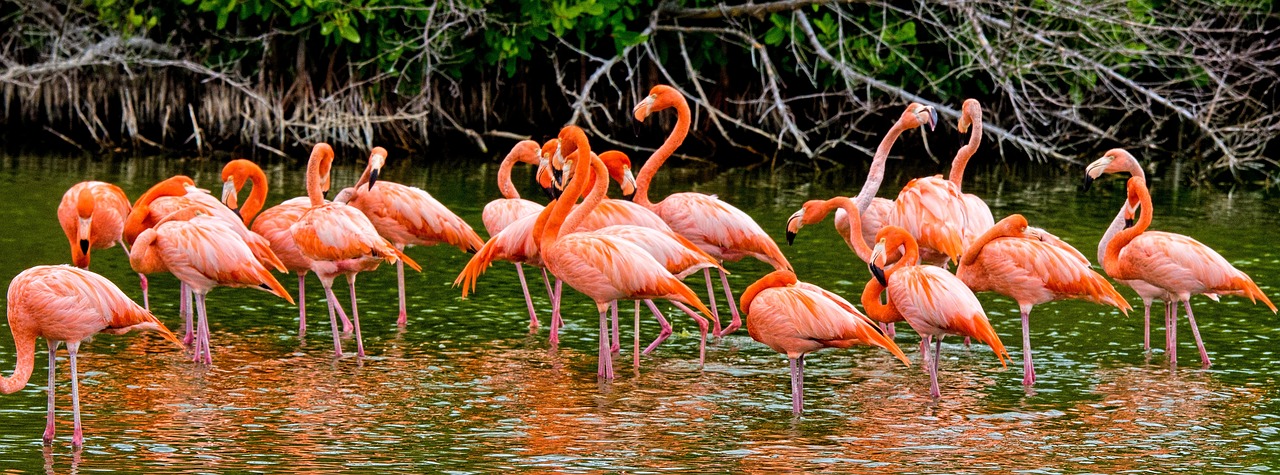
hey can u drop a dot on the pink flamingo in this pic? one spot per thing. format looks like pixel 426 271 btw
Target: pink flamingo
pixel 603 267
pixel 1012 260
pixel 92 215
pixel 71 305
pixel 500 213
pixel 796 318
pixel 406 216
pixel 203 252
pixel 931 300
pixel 716 227
pixel 339 240
pixel 1175 263
pixel 978 218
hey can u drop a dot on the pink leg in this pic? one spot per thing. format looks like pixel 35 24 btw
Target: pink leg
pixel 663 333
pixel 203 328
pixel 1028 368
pixel 355 314
pixel 797 387
pixel 1146 326
pixel 925 340
pixel 404 314
pixel 556 322
pixel 546 280
pixel 711 300
pixel 184 308
pixel 635 348
pixel 736 323
pixel 528 300
pixel 302 304
pixel 146 299
pixel 605 365
pixel 933 373
pixel 1204 355
pixel 333 321
pixel 616 347
pixel 77 440
pixel 966 342
pixel 53 358
pixel 702 329
pixel 1173 331
pixel 890 331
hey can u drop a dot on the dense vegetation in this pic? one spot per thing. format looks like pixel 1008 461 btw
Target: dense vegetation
pixel 797 79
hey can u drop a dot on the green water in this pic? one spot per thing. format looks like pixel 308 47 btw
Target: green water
pixel 466 388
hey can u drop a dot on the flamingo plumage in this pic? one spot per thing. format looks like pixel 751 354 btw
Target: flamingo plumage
pixel 92 215
pixel 978 217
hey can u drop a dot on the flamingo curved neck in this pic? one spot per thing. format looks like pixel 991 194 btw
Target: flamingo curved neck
pixel 560 214
pixel 1111 260
pixel 876 174
pixel 683 119
pixel 780 278
pixel 877 310
pixel 966 152
pixel 505 186
pixel 855 225
pixel 317 169
pixel 910 256
pixel 26 348
pixel 1117 224
pixel 257 197
pixel 599 186
pixel 975 248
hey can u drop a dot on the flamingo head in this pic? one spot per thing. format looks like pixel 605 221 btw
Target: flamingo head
pixel 918 114
pixel 811 212
pixel 1116 160
pixel 234 174
pixel 659 98
pixel 971 111
pixel 377 159
pixel 877 262
pixel 619 166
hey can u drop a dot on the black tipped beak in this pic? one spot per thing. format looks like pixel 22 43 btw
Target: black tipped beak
pixel 791 238
pixel 550 191
pixel 264 287
pixel 373 177
pixel 84 246
pixel 933 119
pixel 237 212
pixel 1128 223
pixel 879 274
pixel 1088 181
pixel 325 194
pixel 630 197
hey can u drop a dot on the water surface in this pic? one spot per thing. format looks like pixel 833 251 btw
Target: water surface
pixel 466 388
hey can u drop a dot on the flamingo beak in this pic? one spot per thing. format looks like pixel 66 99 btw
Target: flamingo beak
pixel 628 184
pixel 373 177
pixel 877 255
pixel 229 194
pixel 1088 181
pixel 794 223
pixel 82 233
pixel 1095 170
pixel 643 108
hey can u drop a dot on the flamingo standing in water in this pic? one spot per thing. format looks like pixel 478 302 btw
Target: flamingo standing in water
pixel 1175 263
pixel 71 305
pixel 718 228
pixel 934 302
pixel 405 216
pixel 500 213
pixel 92 215
pixel 603 267
pixel 1012 260
pixel 796 318
pixel 339 240
pixel 1120 161
pixel 203 252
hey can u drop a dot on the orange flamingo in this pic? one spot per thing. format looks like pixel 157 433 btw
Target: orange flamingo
pixel 339 240
pixel 406 216
pixel 796 318
pixel 500 213
pixel 1012 260
pixel 203 252
pixel 1175 263
pixel 604 268
pixel 1120 161
pixel 978 218
pixel 71 305
pixel 718 228
pixel 931 300
pixel 272 224
pixel 92 215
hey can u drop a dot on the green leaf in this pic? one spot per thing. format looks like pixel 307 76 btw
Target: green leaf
pixel 349 33
pixel 326 28
pixel 774 36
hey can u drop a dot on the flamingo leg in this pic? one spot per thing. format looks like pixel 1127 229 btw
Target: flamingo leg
pixel 616 347
pixel 556 322
pixel 404 314
pixel 1028 368
pixel 662 321
pixel 1146 326
pixel 933 369
pixel 355 315
pixel 77 439
pixel 202 340
pixel 1173 330
pixel 546 280
pixel 333 321
pixel 966 342
pixel 797 391
pixel 635 349
pixel 1204 355
pixel 53 359
pixel 184 308
pixel 925 341
pixel 736 323
pixel 605 365
pixel 528 300
pixel 302 304
pixel 890 331
pixel 146 298
pixel 711 300
pixel 702 329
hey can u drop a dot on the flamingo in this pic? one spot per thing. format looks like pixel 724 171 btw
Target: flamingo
pixel 796 318
pixel 339 240
pixel 978 218
pixel 67 304
pixel 92 215
pixel 203 252
pixel 718 228
pixel 1177 264
pixel 934 302
pixel 1121 161
pixel 500 213
pixel 1013 260
pixel 603 267
pixel 405 216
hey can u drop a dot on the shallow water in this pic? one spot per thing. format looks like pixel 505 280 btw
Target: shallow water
pixel 466 388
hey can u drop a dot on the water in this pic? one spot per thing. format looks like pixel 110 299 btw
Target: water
pixel 465 388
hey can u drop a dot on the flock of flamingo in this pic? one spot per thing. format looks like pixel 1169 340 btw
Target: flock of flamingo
pixel 612 250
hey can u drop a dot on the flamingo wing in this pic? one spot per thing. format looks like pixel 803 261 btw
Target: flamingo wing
pixel 1033 271
pixel 802 318
pixel 978 218
pixel 935 302
pixel 932 210
pixel 335 232
pixel 608 268
pixel 1180 264
pixel 720 229
pixel 513 244
pixel 410 215
pixel 500 213
pixel 620 212
pixel 680 256
pixel 273 225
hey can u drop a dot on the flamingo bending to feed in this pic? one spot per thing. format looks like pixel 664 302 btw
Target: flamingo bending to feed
pixel 1120 161
pixel 500 213
pixel 603 267
pixel 1014 261
pixel 716 227
pixel 92 215
pixel 203 252
pixel 796 318
pixel 1175 263
pixel 931 300
pixel 339 240
pixel 71 305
